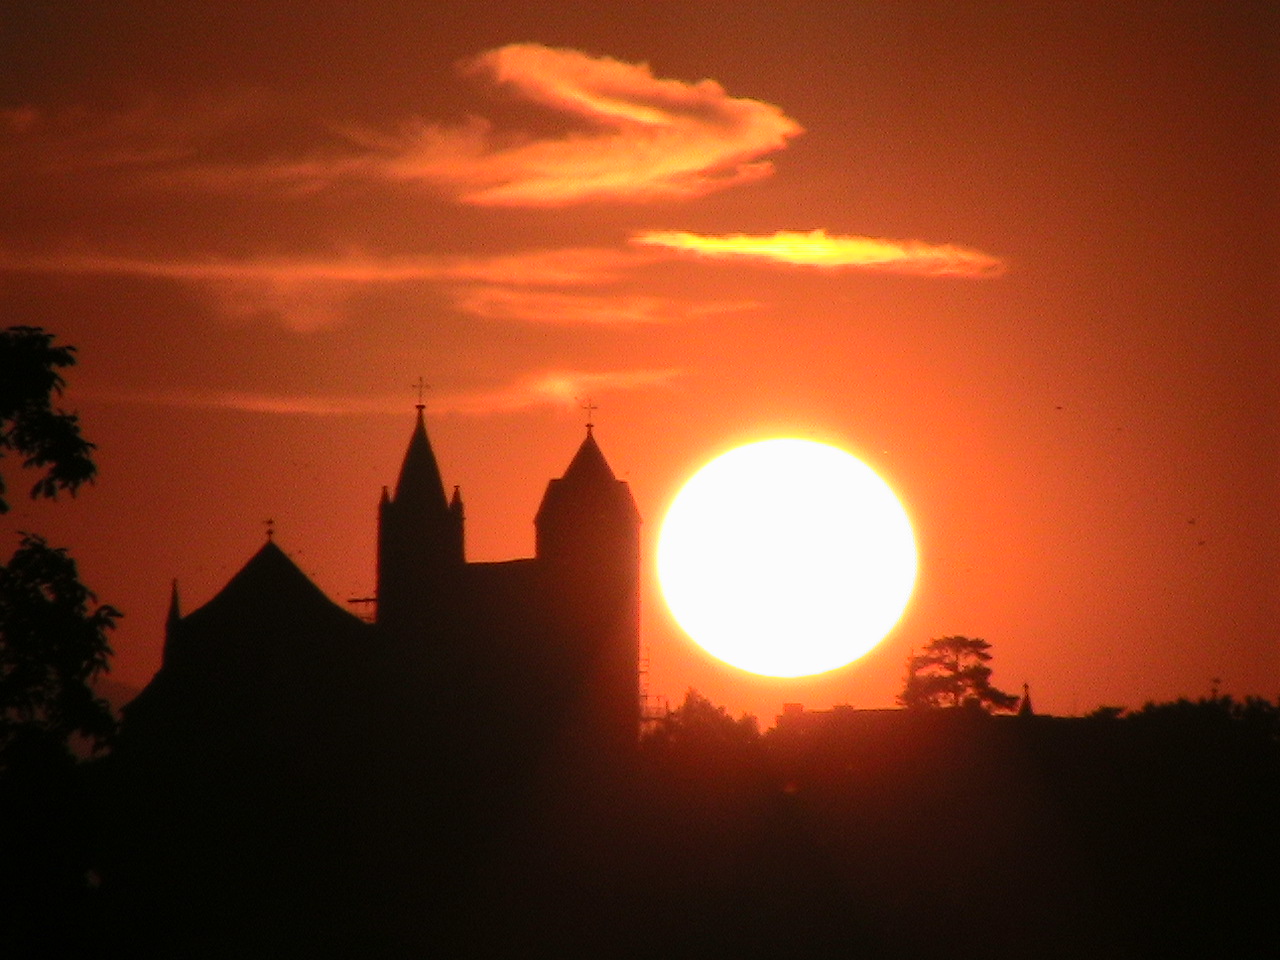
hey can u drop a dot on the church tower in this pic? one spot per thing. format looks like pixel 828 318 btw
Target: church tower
pixel 420 541
pixel 588 546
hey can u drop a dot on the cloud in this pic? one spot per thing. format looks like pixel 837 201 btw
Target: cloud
pixel 567 266
pixel 644 137
pixel 536 286
pixel 556 307
pixel 625 135
pixel 557 388
pixel 310 293
pixel 147 141
pixel 306 294
pixel 540 389
pixel 817 249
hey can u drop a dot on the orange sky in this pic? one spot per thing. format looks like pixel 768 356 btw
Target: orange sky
pixel 1021 259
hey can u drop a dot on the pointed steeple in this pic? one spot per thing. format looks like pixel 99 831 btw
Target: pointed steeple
pixel 172 625
pixel 175 605
pixel 419 473
pixel 1024 708
pixel 420 535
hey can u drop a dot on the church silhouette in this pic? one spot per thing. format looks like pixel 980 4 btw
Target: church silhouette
pixel 551 642
pixel 288 753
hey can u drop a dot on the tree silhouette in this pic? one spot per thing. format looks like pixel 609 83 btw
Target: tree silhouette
pixel 53 635
pixel 53 644
pixel 953 672
pixel 29 424
pixel 700 725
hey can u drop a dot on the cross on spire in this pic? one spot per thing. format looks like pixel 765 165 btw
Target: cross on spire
pixel 591 408
pixel 271 528
pixel 421 386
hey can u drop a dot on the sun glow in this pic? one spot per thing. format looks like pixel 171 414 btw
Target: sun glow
pixel 787 557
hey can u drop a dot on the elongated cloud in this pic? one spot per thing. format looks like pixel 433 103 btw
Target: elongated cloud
pixel 817 249
pixel 559 388
pixel 618 133
pixel 544 388
pixel 568 266
pixel 559 307
pixel 535 286
pixel 311 293
pixel 645 138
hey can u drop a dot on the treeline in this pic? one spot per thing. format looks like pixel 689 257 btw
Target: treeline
pixel 888 834
pixel 952 832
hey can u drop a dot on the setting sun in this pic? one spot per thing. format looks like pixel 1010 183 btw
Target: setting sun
pixel 786 557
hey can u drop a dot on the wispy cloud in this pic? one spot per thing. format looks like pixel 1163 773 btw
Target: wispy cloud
pixel 537 286
pixel 540 389
pixel 569 266
pixel 147 140
pixel 817 249
pixel 310 293
pixel 652 137
pixel 556 307
pixel 625 135
pixel 630 137
pixel 558 388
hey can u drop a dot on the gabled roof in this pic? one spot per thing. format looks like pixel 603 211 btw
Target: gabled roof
pixel 270 590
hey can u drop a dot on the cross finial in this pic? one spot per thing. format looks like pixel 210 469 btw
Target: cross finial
pixel 422 387
pixel 271 528
pixel 591 408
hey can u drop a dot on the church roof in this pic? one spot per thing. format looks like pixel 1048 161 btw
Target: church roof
pixel 419 473
pixel 588 464
pixel 588 479
pixel 270 590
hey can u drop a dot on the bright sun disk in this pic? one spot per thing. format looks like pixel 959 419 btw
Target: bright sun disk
pixel 787 557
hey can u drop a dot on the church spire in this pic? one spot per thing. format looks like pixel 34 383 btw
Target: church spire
pixel 419 478
pixel 175 605
pixel 420 533
pixel 172 624
pixel 1024 708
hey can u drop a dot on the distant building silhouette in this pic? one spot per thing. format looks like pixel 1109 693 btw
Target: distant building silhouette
pixel 502 653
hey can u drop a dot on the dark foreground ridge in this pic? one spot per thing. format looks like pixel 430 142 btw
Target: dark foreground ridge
pixel 896 835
